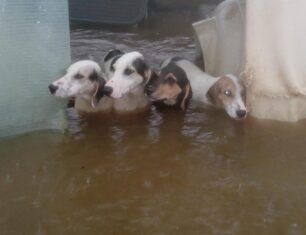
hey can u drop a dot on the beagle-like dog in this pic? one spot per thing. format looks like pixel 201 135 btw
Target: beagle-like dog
pixel 118 87
pixel 170 87
pixel 225 92
pixel 85 83
pixel 127 75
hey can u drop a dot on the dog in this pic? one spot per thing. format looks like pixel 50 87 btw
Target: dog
pixel 171 87
pixel 225 92
pixel 127 75
pixel 84 82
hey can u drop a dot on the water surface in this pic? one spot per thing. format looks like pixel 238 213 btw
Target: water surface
pixel 159 172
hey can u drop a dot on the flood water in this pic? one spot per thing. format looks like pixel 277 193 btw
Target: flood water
pixel 158 172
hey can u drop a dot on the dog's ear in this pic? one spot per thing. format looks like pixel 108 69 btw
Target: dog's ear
pixel 111 54
pixel 213 93
pixel 150 75
pixel 98 94
pixel 99 81
pixel 143 69
pixel 187 94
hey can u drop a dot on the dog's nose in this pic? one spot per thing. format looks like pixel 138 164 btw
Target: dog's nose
pixel 241 113
pixel 52 88
pixel 107 90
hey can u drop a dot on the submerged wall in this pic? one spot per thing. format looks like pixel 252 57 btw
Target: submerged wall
pixel 34 50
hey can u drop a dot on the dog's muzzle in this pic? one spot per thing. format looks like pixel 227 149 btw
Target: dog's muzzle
pixel 52 88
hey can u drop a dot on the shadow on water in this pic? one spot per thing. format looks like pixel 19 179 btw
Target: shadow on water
pixel 159 172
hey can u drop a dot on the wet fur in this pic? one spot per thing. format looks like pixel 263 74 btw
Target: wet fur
pixel 170 87
pixel 224 92
pixel 127 89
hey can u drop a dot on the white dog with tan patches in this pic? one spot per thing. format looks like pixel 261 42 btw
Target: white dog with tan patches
pixel 226 92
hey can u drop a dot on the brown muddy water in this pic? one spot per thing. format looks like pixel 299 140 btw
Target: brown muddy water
pixel 159 172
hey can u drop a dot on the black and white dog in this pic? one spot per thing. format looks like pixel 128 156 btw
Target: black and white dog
pixel 119 86
pixel 226 92
pixel 127 75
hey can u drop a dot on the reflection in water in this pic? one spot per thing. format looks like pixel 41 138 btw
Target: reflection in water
pixel 160 172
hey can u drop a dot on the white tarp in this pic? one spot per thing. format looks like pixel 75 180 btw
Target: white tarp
pixel 265 42
pixel 34 49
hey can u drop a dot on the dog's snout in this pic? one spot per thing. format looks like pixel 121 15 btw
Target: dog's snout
pixel 52 88
pixel 107 90
pixel 241 113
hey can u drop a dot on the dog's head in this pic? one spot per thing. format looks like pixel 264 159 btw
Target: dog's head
pixel 127 73
pixel 83 79
pixel 171 87
pixel 229 93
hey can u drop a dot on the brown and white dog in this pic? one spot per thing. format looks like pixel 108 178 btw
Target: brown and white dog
pixel 85 83
pixel 225 92
pixel 171 87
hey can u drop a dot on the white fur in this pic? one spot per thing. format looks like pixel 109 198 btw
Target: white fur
pixel 123 84
pixel 201 82
pixel 238 103
pixel 81 89
pixel 128 90
pixel 70 87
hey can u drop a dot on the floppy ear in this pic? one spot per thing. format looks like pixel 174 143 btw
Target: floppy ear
pixel 187 97
pixel 99 82
pixel 143 69
pixel 213 93
pixel 149 75
pixel 98 94
pixel 111 54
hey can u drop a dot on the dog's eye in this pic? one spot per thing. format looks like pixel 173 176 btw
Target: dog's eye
pixel 228 93
pixel 78 76
pixel 128 71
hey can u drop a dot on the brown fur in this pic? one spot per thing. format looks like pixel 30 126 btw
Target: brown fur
pixel 186 96
pixel 168 91
pixel 216 93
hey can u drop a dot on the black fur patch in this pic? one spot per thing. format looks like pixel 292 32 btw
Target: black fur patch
pixel 176 59
pixel 113 62
pixel 71 103
pixel 94 76
pixel 178 72
pixel 182 81
pixel 140 66
pixel 111 54
pixel 100 94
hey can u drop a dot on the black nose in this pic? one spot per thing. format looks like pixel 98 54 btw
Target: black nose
pixel 241 113
pixel 107 90
pixel 52 88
